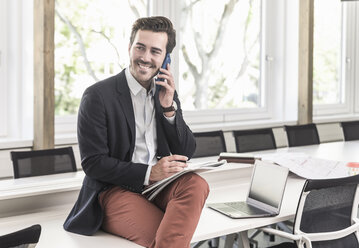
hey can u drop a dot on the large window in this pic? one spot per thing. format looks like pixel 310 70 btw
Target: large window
pixel 220 55
pixel 16 70
pixel 235 60
pixel 91 43
pixel 232 60
pixel 335 59
pixel 3 51
pixel 327 74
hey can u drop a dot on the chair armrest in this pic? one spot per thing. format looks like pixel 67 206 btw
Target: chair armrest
pixel 281 233
pixel 332 235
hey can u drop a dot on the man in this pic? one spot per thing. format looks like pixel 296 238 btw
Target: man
pixel 130 135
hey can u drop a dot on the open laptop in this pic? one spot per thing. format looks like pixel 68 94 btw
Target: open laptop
pixel 265 193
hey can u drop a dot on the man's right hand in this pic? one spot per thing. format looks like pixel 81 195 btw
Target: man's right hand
pixel 167 166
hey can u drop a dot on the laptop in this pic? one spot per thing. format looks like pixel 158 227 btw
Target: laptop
pixel 265 193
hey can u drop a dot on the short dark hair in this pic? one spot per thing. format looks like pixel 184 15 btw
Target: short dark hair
pixel 156 24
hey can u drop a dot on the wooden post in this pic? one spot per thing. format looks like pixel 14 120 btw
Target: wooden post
pixel 305 70
pixel 44 96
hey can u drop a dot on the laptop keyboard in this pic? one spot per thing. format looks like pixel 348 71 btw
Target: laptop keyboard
pixel 245 208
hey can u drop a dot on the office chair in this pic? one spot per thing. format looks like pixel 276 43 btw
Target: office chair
pixel 254 140
pixel 301 135
pixel 326 215
pixel 43 162
pixel 350 130
pixel 209 144
pixel 24 238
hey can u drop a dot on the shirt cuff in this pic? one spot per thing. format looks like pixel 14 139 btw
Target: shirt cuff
pixel 147 177
pixel 171 119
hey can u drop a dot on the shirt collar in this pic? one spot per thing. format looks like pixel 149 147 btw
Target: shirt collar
pixel 136 87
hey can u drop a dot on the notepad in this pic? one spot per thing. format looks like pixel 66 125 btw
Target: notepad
pixel 231 157
pixel 152 191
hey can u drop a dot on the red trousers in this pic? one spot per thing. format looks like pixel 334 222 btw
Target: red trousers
pixel 167 222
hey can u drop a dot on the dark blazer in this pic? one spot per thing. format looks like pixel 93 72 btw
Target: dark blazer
pixel 106 136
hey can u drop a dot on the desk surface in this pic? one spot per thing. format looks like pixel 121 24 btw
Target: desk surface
pixel 341 151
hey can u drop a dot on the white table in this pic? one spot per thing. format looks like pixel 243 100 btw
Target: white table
pixel 341 150
pixel 227 184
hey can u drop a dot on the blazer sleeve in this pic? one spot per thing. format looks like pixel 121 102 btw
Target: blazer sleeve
pixel 179 136
pixel 98 158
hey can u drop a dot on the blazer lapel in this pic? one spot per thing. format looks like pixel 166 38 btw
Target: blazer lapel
pixel 126 104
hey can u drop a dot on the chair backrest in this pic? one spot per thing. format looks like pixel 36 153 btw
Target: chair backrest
pixel 254 140
pixel 328 205
pixel 209 144
pixel 22 238
pixel 43 162
pixel 301 135
pixel 350 130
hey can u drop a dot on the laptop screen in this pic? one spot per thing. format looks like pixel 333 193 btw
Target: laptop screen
pixel 268 183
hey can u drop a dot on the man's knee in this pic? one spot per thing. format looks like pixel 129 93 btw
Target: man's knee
pixel 198 183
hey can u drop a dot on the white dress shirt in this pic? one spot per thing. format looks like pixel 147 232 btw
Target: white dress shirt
pixel 145 121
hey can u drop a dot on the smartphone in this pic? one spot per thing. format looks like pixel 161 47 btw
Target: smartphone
pixel 164 65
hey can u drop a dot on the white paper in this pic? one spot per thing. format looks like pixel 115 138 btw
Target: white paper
pixel 155 188
pixel 309 167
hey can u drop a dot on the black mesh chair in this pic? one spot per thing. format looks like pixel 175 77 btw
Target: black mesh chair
pixel 24 238
pixel 302 135
pixel 350 130
pixel 326 215
pixel 209 144
pixel 43 162
pixel 254 140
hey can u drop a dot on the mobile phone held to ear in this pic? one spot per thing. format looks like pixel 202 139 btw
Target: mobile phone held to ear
pixel 164 65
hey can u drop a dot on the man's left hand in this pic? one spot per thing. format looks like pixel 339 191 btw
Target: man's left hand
pixel 168 88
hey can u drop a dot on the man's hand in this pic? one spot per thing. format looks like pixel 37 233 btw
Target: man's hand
pixel 167 166
pixel 168 87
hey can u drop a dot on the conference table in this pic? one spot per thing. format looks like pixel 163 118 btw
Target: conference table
pixel 227 183
pixel 214 224
pixel 340 150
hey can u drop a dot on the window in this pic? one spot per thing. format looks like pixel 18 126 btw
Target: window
pixel 3 95
pixel 16 69
pixel 91 43
pixel 232 60
pixel 335 60
pixel 220 58
pixel 220 55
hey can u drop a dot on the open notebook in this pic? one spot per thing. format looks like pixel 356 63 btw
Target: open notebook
pixel 152 191
pixel 265 193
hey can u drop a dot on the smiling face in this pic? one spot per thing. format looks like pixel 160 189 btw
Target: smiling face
pixel 147 53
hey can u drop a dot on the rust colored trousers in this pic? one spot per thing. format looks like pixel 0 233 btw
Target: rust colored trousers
pixel 169 221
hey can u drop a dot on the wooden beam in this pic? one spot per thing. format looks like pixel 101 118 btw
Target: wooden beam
pixel 44 98
pixel 305 70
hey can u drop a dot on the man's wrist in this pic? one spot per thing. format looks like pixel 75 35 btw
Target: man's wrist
pixel 170 109
pixel 169 114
